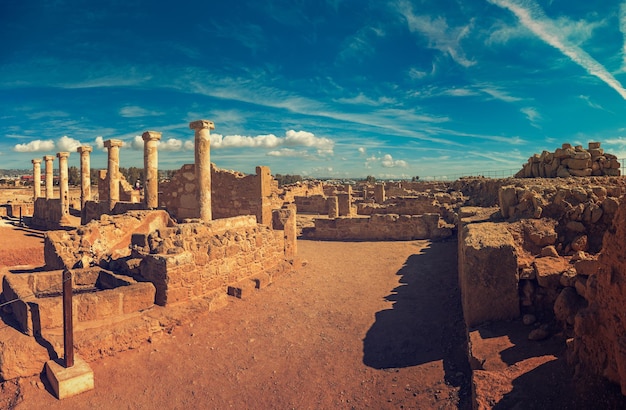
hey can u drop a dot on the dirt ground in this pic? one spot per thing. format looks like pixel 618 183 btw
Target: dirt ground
pixel 362 325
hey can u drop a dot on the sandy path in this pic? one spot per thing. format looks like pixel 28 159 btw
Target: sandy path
pixel 362 325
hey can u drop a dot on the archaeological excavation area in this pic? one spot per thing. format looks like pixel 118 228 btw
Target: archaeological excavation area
pixel 215 288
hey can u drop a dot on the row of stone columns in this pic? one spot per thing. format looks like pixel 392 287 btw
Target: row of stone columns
pixel 202 130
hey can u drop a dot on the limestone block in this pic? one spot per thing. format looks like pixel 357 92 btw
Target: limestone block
pixel 20 355
pixel 548 271
pixel 489 290
pixel 587 267
pixel 585 172
pixel 507 198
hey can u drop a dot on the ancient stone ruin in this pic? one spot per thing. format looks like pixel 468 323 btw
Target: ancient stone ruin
pixel 571 161
pixel 136 262
pixel 542 250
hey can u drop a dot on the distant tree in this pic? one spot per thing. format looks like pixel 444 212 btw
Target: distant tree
pixel 415 179
pixel 370 179
pixel 73 177
pixel 132 174
pixel 287 179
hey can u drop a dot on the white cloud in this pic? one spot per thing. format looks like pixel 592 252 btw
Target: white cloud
pixel 440 36
pixel 389 162
pixel 288 152
pixel 137 143
pixel 67 144
pixel 291 139
pixel 35 146
pixel 533 18
pixel 172 145
pixel 386 161
pixel 132 111
pixel 362 150
pixel 99 142
pixel 498 94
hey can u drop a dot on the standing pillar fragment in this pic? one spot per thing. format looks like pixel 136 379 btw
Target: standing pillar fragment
pixel 202 130
pixel 64 187
pixel 49 159
pixel 151 168
pixel 36 179
pixel 85 174
pixel 113 171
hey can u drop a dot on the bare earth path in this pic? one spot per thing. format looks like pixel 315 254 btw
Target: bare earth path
pixel 362 325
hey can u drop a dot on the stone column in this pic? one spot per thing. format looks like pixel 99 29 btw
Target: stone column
pixel 49 159
pixel 203 165
pixel 113 171
pixel 64 187
pixel 85 174
pixel 151 168
pixel 36 179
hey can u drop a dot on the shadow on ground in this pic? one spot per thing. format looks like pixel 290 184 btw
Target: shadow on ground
pixel 425 323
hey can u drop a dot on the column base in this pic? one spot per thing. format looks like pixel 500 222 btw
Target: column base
pixel 70 381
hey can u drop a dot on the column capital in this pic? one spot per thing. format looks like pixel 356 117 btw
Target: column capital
pixel 113 143
pixel 151 136
pixel 48 157
pixel 36 161
pixel 63 155
pixel 84 148
pixel 201 124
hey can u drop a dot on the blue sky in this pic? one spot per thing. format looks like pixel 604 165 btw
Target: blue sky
pixel 314 87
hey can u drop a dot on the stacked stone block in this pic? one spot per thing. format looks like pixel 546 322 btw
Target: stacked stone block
pixel 571 161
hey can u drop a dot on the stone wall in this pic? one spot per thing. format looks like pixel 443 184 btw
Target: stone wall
pixel 380 228
pixel 442 203
pixel 571 161
pixel 288 193
pixel 599 343
pixel 47 213
pixel 127 192
pixel 232 194
pixel 194 259
pixel 315 204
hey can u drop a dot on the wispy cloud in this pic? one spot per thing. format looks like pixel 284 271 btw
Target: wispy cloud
pixel 440 36
pixel 532 114
pixel 590 103
pixel 132 111
pixel 533 18
pixel 622 27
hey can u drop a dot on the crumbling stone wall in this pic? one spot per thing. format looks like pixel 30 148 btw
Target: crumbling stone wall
pixel 442 203
pixel 194 259
pixel 127 192
pixel 288 193
pixel 380 228
pixel 315 204
pixel 599 343
pixel 232 194
pixel 47 213
pixel 571 161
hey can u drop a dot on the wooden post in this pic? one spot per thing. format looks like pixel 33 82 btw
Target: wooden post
pixel 68 329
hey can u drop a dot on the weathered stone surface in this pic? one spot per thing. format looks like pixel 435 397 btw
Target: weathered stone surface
pixel 489 291
pixel 567 305
pixel 549 270
pixel 20 355
pixel 567 161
